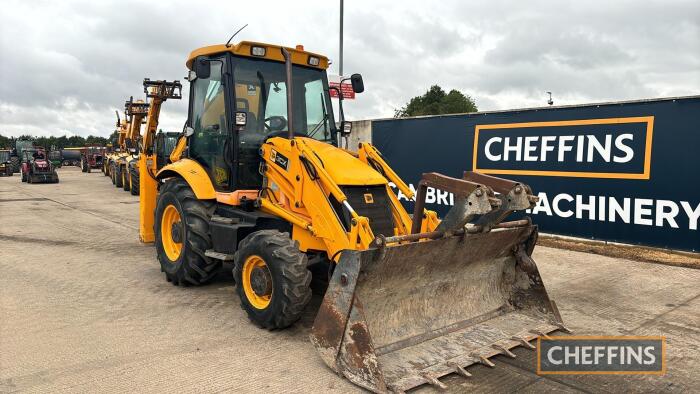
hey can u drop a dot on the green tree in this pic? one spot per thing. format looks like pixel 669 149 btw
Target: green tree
pixel 93 139
pixel 5 142
pixel 436 102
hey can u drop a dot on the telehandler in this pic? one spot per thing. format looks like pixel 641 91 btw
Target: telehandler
pixel 111 158
pixel 258 179
pixel 125 165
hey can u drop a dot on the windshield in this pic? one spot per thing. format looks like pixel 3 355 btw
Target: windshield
pixel 4 156
pixel 261 91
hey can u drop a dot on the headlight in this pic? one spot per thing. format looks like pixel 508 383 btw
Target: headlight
pixel 257 51
pixel 313 61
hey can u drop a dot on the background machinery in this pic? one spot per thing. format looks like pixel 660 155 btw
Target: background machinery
pixel 136 112
pixel 55 157
pixel 36 168
pixel 91 157
pixel 165 142
pixel 117 153
pixel 6 167
pixel 70 156
pixel 16 154
pixel 258 179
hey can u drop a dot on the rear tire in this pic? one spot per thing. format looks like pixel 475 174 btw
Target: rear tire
pixel 24 177
pixel 134 176
pixel 184 262
pixel 83 166
pixel 118 177
pixel 278 299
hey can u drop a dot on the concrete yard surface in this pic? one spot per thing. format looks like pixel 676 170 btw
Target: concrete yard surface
pixel 85 308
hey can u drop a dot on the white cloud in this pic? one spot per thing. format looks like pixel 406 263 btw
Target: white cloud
pixel 67 66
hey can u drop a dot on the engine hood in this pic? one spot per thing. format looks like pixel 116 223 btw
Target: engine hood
pixel 344 168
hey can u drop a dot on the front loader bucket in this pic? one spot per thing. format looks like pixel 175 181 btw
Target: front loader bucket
pixel 398 317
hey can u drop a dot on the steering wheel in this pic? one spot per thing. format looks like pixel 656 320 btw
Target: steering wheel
pixel 284 133
pixel 277 123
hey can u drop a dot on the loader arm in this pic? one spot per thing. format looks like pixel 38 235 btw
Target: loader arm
pixel 371 155
pixel 158 92
pixel 298 188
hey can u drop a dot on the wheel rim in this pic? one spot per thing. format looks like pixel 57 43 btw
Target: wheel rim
pixel 172 242
pixel 257 282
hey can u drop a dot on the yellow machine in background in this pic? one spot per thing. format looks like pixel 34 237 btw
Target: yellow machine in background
pixel 148 162
pixel 258 179
pixel 118 151
pixel 125 166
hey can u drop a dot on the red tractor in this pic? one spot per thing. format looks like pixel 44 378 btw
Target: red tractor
pixel 36 168
pixel 91 157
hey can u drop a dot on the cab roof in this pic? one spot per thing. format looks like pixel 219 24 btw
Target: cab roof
pixel 272 52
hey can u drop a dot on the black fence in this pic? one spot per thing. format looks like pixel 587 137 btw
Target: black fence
pixel 626 172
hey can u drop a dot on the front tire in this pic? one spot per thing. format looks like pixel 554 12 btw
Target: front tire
pixel 112 170
pixel 118 177
pixel 182 235
pixel 272 279
pixel 126 179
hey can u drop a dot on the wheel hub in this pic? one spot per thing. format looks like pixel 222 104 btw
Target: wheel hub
pixel 176 232
pixel 261 281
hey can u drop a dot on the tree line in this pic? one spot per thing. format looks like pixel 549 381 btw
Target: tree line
pixel 435 101
pixel 61 142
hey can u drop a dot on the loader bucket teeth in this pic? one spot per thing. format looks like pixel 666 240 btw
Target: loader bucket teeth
pixel 513 196
pixel 404 315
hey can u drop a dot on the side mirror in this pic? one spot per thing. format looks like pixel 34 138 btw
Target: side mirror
pixel 345 127
pixel 358 86
pixel 202 67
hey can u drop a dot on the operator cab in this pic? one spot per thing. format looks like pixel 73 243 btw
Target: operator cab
pixel 257 73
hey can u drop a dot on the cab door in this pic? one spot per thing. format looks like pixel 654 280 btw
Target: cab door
pixel 211 141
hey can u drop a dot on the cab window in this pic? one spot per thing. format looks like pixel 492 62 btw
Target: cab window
pixel 208 119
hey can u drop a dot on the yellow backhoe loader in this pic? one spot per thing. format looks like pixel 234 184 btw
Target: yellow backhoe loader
pixel 258 179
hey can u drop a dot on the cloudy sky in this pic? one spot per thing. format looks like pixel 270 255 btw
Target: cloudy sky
pixel 67 65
